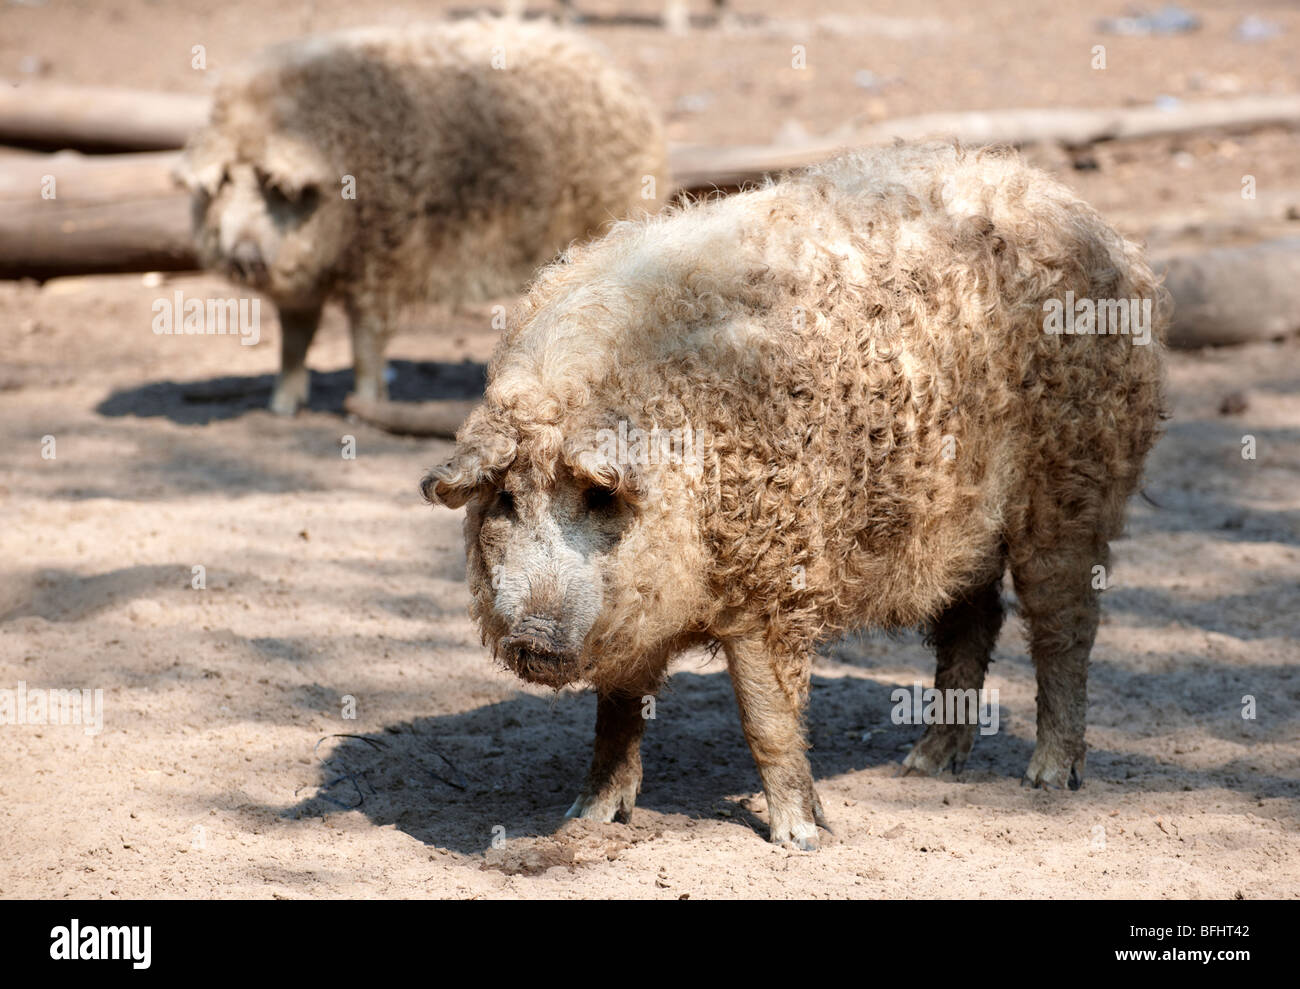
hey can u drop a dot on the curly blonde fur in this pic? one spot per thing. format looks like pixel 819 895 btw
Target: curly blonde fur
pixel 887 426
pixel 477 152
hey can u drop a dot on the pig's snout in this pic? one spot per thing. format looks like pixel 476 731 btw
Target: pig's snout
pixel 245 262
pixel 536 634
pixel 536 650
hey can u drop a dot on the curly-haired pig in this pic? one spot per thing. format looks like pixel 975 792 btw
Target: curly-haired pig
pixel 385 167
pixel 853 397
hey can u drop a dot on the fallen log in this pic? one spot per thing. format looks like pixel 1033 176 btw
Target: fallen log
pixel 88 178
pixel 135 235
pixel 52 116
pixel 440 418
pixel 1233 295
pixel 72 214
pixel 697 167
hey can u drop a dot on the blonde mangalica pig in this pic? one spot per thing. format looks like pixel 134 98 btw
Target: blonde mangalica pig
pixel 380 168
pixel 852 397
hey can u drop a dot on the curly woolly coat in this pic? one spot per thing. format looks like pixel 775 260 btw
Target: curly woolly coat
pixel 887 426
pixel 479 151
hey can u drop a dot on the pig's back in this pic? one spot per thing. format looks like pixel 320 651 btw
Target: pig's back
pixel 887 408
pixel 479 149
pixel 864 347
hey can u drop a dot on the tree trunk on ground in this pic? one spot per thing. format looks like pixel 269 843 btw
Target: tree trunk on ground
pixel 441 418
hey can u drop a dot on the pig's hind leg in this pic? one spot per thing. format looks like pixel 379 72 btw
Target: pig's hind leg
pixel 1061 608
pixel 297 327
pixel 614 779
pixel 371 328
pixel 963 638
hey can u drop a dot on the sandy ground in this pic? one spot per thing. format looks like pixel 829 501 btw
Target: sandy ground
pixel 225 767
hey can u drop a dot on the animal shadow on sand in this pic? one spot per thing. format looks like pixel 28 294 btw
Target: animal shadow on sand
pixel 517 764
pixel 197 403
pixel 511 768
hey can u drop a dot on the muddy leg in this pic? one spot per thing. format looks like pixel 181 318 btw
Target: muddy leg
pixel 297 327
pixel 771 718
pixel 1061 610
pixel 963 637
pixel 615 775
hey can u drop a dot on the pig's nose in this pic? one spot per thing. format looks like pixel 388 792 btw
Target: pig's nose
pixel 536 634
pixel 246 262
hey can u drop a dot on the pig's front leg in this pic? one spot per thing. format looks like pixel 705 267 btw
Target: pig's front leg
pixel 771 718
pixel 615 775
pixel 297 327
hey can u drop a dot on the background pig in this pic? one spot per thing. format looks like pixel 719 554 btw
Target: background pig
pixel 883 426
pixel 475 153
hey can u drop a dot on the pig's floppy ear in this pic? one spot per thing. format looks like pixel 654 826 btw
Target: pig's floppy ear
pixel 484 451
pixel 202 165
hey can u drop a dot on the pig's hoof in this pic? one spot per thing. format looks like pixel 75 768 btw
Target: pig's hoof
pixel 287 400
pixel 613 805
pixel 940 747
pixel 371 389
pixel 799 834
pixel 793 825
pixel 1049 769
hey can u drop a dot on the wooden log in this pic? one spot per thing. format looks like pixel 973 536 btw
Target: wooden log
pixel 1234 295
pixel 105 214
pixel 697 167
pixel 134 235
pixel 88 178
pixel 440 418
pixel 51 116
pixel 1077 127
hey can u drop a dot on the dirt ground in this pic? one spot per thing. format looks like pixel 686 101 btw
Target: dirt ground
pixel 225 767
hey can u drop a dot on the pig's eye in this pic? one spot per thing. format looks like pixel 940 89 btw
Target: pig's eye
pixel 285 199
pixel 276 198
pixel 505 502
pixel 600 500
pixel 308 197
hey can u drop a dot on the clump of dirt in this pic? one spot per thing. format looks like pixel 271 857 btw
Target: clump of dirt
pixel 575 844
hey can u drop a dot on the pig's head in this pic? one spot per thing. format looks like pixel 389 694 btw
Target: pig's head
pixel 568 577
pixel 267 211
